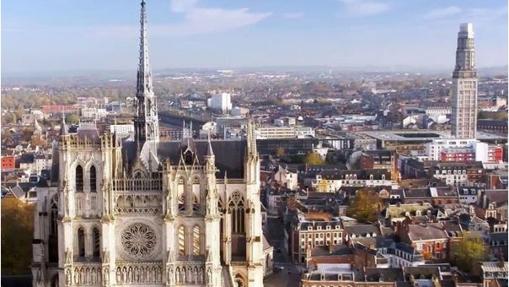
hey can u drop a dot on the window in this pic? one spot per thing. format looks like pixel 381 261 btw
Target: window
pixel 182 241
pixel 97 242
pixel 93 180
pixel 81 242
pixel 79 179
pixel 181 195
pixel 196 240
pixel 236 208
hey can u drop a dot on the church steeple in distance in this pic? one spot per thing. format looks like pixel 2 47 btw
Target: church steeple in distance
pixel 146 123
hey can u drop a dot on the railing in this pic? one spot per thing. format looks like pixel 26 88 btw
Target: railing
pixel 231 181
pixel 137 184
pixel 141 202
pixel 179 168
pixel 74 141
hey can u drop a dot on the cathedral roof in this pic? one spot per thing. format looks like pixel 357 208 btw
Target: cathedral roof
pixel 229 154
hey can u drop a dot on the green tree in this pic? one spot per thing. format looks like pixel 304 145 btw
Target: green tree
pixel 365 206
pixel 72 119
pixel 17 232
pixel 467 252
pixel 313 158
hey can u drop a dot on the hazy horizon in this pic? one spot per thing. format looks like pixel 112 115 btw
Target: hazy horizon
pixel 92 35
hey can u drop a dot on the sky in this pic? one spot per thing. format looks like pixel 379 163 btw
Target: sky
pixel 74 35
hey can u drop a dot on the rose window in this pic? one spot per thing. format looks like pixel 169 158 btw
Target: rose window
pixel 138 240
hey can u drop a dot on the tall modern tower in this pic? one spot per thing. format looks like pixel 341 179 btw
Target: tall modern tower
pixel 146 123
pixel 464 88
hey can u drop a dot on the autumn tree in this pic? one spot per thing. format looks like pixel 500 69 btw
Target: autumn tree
pixel 17 232
pixel 365 206
pixel 313 158
pixel 467 252
pixel 280 152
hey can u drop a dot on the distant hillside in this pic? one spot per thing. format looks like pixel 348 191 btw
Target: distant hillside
pixel 493 71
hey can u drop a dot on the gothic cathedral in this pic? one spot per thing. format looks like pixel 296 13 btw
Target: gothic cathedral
pixel 145 212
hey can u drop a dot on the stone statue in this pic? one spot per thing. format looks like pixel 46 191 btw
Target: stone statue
pixel 209 275
pixel 106 276
pixel 168 202
pixel 169 256
pixel 105 256
pixel 209 255
pixel 68 256
pixel 68 279
pixel 171 276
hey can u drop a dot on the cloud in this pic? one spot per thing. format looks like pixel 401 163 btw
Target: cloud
pixel 198 20
pixel 292 15
pixel 476 15
pixel 180 6
pixel 364 7
pixel 443 12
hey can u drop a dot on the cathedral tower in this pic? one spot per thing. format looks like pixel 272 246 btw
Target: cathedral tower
pixel 146 123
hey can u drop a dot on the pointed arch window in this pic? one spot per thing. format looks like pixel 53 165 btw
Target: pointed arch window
pixel 53 235
pixel 93 179
pixel 79 179
pixel 196 240
pixel 182 241
pixel 181 195
pixel 196 203
pixel 81 242
pixel 54 216
pixel 236 209
pixel 97 242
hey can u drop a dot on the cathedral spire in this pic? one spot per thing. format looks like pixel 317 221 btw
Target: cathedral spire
pixel 210 151
pixel 146 124
pixel 63 126
pixel 251 138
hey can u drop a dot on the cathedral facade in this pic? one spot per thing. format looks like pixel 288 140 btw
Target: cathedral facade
pixel 145 212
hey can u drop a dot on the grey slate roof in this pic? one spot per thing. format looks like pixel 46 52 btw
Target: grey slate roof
pixel 229 154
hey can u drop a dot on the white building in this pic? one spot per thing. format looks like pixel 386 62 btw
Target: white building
pixel 220 102
pixel 122 130
pixel 93 113
pixel 438 114
pixel 275 132
pixel 435 147
pixel 286 178
pixel 150 212
pixel 484 152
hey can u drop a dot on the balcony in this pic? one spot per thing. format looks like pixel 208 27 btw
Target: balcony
pixel 137 184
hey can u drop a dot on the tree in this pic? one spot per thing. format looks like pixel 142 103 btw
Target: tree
pixel 365 206
pixel 280 152
pixel 72 119
pixel 467 252
pixel 17 232
pixel 313 158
